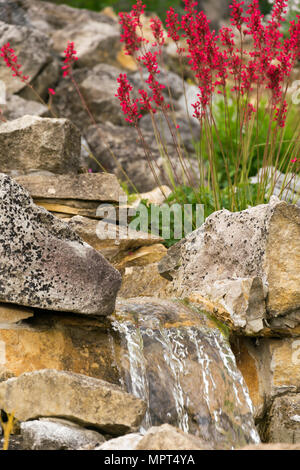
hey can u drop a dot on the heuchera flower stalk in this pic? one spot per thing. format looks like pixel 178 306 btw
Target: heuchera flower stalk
pixel 11 60
pixel 222 64
pixel 70 58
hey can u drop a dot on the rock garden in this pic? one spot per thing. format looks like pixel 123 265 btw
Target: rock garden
pixel 149 227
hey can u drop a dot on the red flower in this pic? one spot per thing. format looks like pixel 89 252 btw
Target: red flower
pixel 11 60
pixel 129 107
pixel 137 10
pixel 129 23
pixel 51 91
pixel 237 18
pixel 172 25
pixel 280 115
pixel 70 58
pixel 157 31
pixel 145 101
pixel 149 60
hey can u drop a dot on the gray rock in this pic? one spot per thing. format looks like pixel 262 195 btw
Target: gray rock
pixel 47 78
pixel 283 421
pixel 216 10
pixel 45 264
pixel 50 17
pixel 57 434
pixel 37 143
pixel 187 131
pixel 242 267
pixel 18 107
pixel 287 186
pixel 171 81
pixel 12 12
pixel 95 41
pixel 76 397
pixel 98 87
pixel 118 150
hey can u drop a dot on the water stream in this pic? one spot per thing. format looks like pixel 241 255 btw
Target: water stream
pixel 185 370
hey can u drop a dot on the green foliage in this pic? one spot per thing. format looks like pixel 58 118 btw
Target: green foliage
pixel 158 6
pixel 228 141
pixel 265 6
pixel 245 195
pixel 87 4
pixel 244 192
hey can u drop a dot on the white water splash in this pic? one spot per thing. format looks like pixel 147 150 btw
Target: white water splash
pixel 139 386
pixel 175 352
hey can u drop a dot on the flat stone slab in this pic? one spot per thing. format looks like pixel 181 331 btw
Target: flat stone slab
pixel 44 264
pixel 114 241
pixel 76 397
pixel 35 143
pixel 86 187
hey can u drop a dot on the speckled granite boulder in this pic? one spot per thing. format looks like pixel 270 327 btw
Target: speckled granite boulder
pixel 244 267
pixel 45 264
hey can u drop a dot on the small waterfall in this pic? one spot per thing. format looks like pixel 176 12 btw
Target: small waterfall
pixel 184 370
pixel 138 384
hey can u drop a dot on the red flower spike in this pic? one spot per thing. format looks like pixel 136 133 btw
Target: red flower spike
pixel 129 107
pixel 172 25
pixel 157 31
pixel 236 16
pixel 70 58
pixel 11 60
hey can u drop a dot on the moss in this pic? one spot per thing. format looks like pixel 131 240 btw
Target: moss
pixel 222 327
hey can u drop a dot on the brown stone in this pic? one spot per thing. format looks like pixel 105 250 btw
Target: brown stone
pixel 13 313
pixel 58 342
pixel 143 256
pixel 245 265
pixel 85 187
pixel 283 422
pixel 143 281
pixel 35 143
pixel 168 437
pixel 247 362
pixel 77 397
pixel 113 241
pixel 270 367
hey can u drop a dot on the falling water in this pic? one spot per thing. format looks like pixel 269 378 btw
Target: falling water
pixel 185 371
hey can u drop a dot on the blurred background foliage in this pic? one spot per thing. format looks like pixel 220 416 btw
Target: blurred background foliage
pixel 158 6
